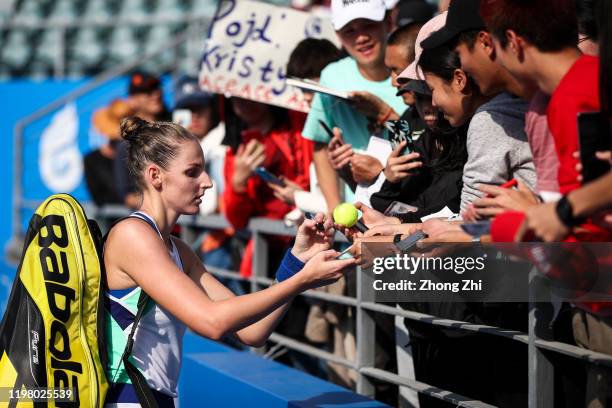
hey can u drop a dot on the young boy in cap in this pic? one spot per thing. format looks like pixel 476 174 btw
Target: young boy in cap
pixel 399 53
pixel 362 28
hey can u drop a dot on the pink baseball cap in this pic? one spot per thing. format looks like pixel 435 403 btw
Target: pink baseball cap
pixel 413 71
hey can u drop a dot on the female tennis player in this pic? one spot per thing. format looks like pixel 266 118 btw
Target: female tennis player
pixel 140 254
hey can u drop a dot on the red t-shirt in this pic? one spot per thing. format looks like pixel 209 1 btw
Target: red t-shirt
pixel 542 144
pixel 577 92
pixel 287 154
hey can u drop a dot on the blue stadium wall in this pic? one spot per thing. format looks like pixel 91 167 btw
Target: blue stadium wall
pixel 53 147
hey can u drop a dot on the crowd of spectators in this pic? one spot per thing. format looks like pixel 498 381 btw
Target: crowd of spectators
pixel 488 94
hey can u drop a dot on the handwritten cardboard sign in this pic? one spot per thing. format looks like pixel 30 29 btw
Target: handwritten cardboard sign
pixel 248 48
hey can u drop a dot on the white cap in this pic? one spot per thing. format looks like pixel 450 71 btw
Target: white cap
pixel 389 4
pixel 345 11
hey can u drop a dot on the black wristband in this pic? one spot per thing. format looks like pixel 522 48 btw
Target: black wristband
pixel 565 212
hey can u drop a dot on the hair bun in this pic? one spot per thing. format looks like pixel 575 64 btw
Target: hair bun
pixel 131 126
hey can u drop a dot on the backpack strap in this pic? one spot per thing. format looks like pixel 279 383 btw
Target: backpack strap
pixel 145 396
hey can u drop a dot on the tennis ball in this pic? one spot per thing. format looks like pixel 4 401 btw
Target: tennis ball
pixel 345 214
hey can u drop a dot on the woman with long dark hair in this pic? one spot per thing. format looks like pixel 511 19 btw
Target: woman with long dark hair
pixel 497 145
pixel 455 96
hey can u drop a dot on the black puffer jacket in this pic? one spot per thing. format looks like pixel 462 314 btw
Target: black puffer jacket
pixel 436 185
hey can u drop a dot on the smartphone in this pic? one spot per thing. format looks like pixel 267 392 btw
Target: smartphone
pixel 477 229
pixel 268 177
pixel 182 117
pixel 398 208
pixel 410 241
pixel 593 136
pixel 329 132
pixel 398 132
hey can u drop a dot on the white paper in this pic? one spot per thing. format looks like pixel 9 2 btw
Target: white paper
pixel 443 213
pixel 315 87
pixel 380 149
pixel 310 202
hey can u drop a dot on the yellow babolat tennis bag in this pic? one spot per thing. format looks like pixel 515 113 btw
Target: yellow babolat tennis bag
pixel 52 336
pixel 52 332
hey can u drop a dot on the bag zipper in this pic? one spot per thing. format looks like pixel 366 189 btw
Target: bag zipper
pixel 83 272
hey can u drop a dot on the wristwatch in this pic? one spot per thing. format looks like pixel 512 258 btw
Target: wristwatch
pixel 565 212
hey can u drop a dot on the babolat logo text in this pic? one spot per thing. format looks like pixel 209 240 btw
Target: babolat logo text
pixel 34 346
pixel 54 264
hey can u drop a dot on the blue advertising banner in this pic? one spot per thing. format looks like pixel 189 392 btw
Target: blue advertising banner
pixel 53 147
pixel 20 98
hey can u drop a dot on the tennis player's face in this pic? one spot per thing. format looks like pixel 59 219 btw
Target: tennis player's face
pixel 185 179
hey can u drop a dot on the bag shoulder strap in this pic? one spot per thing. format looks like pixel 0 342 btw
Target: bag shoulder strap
pixel 145 396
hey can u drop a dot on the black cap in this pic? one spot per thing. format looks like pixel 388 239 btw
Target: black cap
pixel 187 94
pixel 414 85
pixel 463 15
pixel 143 82
pixel 418 86
pixel 413 11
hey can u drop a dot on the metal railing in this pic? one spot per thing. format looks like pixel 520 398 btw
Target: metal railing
pixel 538 338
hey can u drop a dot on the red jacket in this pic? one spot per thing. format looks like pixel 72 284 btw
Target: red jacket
pixel 287 154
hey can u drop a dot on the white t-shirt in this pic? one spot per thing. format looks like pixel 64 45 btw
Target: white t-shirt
pixel 214 157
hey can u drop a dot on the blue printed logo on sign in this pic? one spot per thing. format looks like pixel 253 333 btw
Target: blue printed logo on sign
pixel 60 160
